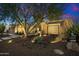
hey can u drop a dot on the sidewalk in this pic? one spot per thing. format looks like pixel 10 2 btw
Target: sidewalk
pixel 9 37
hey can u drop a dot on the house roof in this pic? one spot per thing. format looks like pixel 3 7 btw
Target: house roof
pixel 55 21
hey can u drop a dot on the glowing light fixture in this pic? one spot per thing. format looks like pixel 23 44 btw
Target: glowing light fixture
pixel 10 41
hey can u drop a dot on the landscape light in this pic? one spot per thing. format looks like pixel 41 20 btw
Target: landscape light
pixel 10 41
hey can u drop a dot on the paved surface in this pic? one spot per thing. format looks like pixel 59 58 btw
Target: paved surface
pixel 11 36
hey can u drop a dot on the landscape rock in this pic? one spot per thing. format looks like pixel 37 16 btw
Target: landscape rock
pixel 58 51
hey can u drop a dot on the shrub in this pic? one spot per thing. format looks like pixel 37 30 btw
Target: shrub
pixel 2 28
pixel 74 30
pixel 39 40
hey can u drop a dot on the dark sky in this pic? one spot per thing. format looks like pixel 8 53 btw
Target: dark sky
pixel 72 10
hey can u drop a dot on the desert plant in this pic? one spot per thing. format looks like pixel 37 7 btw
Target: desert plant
pixel 39 40
pixel 74 30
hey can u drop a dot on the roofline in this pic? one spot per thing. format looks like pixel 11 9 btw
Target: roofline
pixel 55 21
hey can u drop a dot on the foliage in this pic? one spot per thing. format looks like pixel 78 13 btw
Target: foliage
pixel 21 13
pixel 2 28
pixel 38 11
pixel 39 40
pixel 54 11
pixel 12 10
pixel 74 30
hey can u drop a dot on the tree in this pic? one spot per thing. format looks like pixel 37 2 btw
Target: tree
pixel 12 10
pixel 22 12
pixel 55 11
pixel 2 28
pixel 41 11
pixel 38 12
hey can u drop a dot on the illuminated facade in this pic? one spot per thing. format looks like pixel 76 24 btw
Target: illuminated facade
pixel 53 27
pixel 56 27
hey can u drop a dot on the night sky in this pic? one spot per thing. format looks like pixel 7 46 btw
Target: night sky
pixel 72 10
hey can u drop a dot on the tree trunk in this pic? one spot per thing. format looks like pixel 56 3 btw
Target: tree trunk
pixel 24 28
pixel 24 32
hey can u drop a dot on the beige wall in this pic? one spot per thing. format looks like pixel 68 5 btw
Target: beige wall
pixel 56 28
pixel 53 28
pixel 19 29
pixel 67 24
pixel 44 27
pixel 50 28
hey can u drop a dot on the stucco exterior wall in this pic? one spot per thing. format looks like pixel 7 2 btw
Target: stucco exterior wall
pixel 19 29
pixel 56 28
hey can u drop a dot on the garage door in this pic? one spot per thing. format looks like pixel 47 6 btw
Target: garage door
pixel 53 29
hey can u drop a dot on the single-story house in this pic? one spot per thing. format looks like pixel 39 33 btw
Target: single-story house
pixel 56 26
pixel 18 29
pixel 52 27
